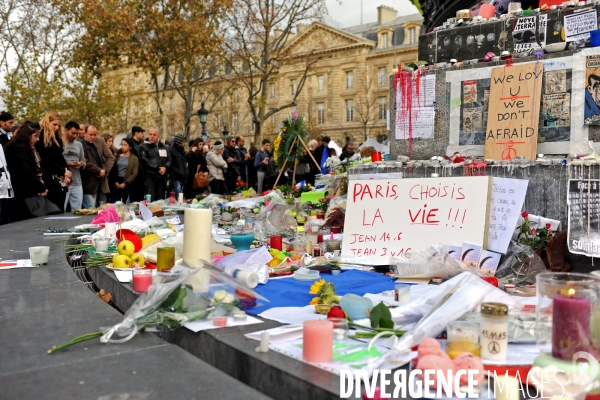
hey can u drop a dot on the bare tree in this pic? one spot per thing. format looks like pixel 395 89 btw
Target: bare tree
pixel 365 103
pixel 259 32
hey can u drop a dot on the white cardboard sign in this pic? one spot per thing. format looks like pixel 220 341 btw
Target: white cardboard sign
pixel 506 203
pixel 390 218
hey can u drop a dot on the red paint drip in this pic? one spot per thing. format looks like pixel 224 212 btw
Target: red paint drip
pixel 403 81
pixel 418 87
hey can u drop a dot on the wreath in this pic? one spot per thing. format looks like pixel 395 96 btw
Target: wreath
pixel 287 147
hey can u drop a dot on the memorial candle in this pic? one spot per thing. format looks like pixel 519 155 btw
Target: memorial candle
pixel 317 342
pixel 276 242
pixel 570 325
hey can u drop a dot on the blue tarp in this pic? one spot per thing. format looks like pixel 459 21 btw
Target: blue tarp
pixel 292 293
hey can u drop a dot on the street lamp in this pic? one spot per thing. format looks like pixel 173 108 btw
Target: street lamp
pixel 202 114
pixel 225 131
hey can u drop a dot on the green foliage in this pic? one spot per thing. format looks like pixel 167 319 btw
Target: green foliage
pixel 417 4
pixel 287 147
pixel 381 317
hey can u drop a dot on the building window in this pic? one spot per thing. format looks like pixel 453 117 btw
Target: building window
pixel 293 87
pixel 321 83
pixel 320 113
pixel 272 119
pixel 382 107
pixel 349 79
pixel 385 42
pixel 235 95
pixel 234 118
pixel 381 76
pixel 137 83
pixel 349 110
pixel 271 90
pixel 137 109
pixel 171 104
pixel 412 35
pixel 218 121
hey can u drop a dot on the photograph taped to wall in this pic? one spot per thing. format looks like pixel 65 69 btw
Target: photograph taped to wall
pixel 475 134
pixel 472 119
pixel 591 110
pixel 469 92
pixel 557 109
pixel 524 34
pixel 556 82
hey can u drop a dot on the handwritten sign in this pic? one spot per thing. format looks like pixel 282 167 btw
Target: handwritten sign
pixel 506 203
pixel 579 25
pixel 422 124
pixel 514 108
pixel 390 218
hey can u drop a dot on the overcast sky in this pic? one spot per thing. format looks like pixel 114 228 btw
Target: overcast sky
pixel 348 12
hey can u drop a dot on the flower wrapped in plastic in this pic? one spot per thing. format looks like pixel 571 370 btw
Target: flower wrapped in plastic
pixel 171 302
pixel 274 219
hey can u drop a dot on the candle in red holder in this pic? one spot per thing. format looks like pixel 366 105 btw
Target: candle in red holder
pixel 492 280
pixel 276 242
pixel 336 229
pixel 317 340
pixel 142 279
pixel 376 156
pixel 319 238
pixel 570 325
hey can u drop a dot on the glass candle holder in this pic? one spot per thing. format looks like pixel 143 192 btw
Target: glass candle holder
pixel 333 245
pixel 165 258
pixel 340 328
pixel 455 349
pixel 142 279
pixel 462 331
pixel 567 314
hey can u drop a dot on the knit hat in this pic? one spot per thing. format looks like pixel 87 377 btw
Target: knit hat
pixel 218 145
pixel 179 139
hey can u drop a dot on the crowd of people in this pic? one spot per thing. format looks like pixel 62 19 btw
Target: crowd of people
pixel 72 167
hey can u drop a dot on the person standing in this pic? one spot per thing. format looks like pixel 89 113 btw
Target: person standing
pixel 260 162
pixel 6 189
pixel 7 126
pixel 347 151
pixel 196 162
pixel 322 152
pixel 137 190
pixel 23 159
pixel 216 164
pixel 95 168
pixel 50 147
pixel 244 156
pixel 155 160
pixel 109 142
pixel 103 192
pixel 178 171
pixel 234 163
pixel 252 178
pixel 75 158
pixel 123 173
pixel 82 126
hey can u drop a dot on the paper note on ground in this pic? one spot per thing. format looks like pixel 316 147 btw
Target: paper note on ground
pixel 11 264
pixel 197 326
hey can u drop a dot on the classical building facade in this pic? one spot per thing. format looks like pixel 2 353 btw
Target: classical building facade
pixel 345 96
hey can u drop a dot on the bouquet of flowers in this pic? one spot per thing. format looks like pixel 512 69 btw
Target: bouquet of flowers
pixel 240 186
pixel 534 238
pixel 287 148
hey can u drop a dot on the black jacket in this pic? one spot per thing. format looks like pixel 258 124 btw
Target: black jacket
pixel 23 171
pixel 3 139
pixel 53 162
pixel 234 167
pixel 151 160
pixel 178 169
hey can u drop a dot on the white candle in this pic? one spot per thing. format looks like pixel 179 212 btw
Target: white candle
pixel 110 229
pixel 196 245
pixel 494 331
pixel 248 278
pixel 264 342
pixel 180 199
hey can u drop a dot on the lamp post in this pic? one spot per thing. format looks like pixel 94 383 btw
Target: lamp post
pixel 225 131
pixel 202 114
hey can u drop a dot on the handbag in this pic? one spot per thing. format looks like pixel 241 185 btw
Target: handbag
pixel 303 169
pixel 40 206
pixel 201 179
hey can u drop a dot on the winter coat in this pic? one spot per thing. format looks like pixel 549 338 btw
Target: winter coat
pixel 234 167
pixel 151 159
pixel 6 189
pixel 21 162
pixel 52 161
pixel 130 174
pixel 89 175
pixel 216 164
pixel 178 171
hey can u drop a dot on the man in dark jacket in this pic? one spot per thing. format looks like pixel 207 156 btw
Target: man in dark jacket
pixel 322 152
pixel 137 134
pixel 234 163
pixel 178 169
pixel 93 172
pixel 155 160
pixel 244 156
pixel 7 125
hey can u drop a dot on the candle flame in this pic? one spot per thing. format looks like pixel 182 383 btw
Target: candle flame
pixel 571 292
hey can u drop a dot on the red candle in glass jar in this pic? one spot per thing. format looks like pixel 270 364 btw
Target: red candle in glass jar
pixel 276 242
pixel 319 238
pixel 376 156
pixel 142 281
pixel 570 325
pixel 336 229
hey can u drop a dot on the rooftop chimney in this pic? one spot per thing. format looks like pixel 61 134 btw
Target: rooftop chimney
pixel 386 14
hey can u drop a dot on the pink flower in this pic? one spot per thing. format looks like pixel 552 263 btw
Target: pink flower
pixel 548 225
pixel 525 214
pixel 550 231
pixel 533 231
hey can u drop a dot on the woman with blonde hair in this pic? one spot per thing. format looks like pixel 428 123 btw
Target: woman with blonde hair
pixel 50 147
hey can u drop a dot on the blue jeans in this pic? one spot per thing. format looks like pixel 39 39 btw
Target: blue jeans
pixel 89 201
pixel 74 197
pixel 178 188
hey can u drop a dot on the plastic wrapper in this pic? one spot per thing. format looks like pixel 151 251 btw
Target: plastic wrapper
pixel 170 302
pixel 434 261
pixel 519 266
pixel 109 214
pixel 521 324
pixel 434 307
pixel 150 252
pixel 327 182
pixel 274 219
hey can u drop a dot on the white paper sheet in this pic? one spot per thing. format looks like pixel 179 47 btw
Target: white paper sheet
pixel 291 315
pixel 197 326
pixel 422 124
pixel 507 200
pixel 51 218
pixel 280 334
pixel 253 256
pixel 11 264
pixel 145 212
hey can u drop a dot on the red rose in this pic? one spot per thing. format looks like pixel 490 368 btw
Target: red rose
pixel 525 214
pixel 550 231
pixel 548 225
pixel 533 231
pixel 336 312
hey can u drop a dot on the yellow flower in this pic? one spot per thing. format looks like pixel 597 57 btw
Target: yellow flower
pixel 316 287
pixel 314 301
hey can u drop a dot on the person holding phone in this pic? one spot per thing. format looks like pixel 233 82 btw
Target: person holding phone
pixel 260 162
